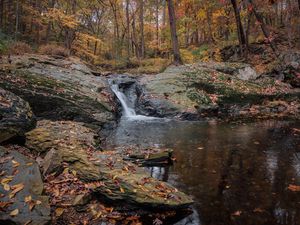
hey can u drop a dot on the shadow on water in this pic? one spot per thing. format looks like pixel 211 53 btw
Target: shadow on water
pixel 237 174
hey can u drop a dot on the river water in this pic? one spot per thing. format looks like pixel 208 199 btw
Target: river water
pixel 236 173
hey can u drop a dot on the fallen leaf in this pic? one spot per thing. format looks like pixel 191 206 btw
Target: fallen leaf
pixel 15 189
pixel 14 212
pixel 6 187
pixel 28 222
pixel 294 188
pixel 258 210
pixel 59 211
pixel 122 190
pixel 28 198
pixel 15 163
pixel 38 202
pixel 6 180
pixel 237 213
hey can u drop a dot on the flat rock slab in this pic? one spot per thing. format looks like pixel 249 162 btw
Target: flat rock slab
pixel 106 173
pixel 16 117
pixel 125 182
pixel 21 191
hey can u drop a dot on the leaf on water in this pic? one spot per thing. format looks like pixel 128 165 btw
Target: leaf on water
pixel 15 163
pixel 258 210
pixel 256 143
pixel 14 212
pixel 16 188
pixel 237 213
pixel 294 188
pixel 29 164
pixel 59 211
pixel 200 148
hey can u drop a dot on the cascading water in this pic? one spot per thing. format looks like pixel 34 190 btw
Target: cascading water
pixel 128 112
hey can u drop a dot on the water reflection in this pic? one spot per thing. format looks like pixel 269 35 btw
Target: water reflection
pixel 237 174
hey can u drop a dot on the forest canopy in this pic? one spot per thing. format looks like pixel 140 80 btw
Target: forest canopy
pixel 102 30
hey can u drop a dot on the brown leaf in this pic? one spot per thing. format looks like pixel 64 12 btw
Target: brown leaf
pixel 59 211
pixel 15 163
pixel 16 188
pixel 294 188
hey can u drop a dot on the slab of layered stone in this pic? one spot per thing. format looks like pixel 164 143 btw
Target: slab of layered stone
pixel 16 117
pixel 21 191
pixel 106 173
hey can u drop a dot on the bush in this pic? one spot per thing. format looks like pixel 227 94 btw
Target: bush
pixel 54 50
pixel 19 48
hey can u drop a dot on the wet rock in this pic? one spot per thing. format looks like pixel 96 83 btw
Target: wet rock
pixel 107 174
pixel 64 142
pixel 16 116
pixel 124 182
pixel 150 157
pixel 22 174
pixel 60 89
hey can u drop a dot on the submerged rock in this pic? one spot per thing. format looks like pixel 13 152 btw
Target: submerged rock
pixel 107 174
pixel 22 199
pixel 16 117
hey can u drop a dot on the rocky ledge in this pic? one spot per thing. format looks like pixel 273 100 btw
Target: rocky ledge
pixel 16 117
pixel 226 90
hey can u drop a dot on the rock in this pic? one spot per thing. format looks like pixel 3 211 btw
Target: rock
pixel 122 181
pixel 64 142
pixel 60 89
pixel 206 90
pixel 126 183
pixel 16 116
pixel 22 171
pixel 150 157
pixel 82 199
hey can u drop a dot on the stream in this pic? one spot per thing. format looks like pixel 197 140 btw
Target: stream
pixel 237 173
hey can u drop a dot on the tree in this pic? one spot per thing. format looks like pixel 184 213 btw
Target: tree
pixel 174 37
pixel 240 29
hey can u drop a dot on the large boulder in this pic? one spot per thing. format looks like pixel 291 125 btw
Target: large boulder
pixel 59 88
pixel 72 147
pixel 206 89
pixel 16 117
pixel 22 200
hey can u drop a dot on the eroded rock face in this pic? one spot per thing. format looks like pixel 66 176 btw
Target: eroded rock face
pixel 206 89
pixel 59 89
pixel 22 176
pixel 16 117
pixel 116 179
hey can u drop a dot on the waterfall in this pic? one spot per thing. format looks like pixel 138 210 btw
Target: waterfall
pixel 128 112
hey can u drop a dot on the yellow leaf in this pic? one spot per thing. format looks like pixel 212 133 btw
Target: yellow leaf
pixel 29 164
pixel 74 173
pixel 16 188
pixel 15 163
pixel 6 180
pixel 66 170
pixel 28 198
pixel 122 190
pixel 59 211
pixel 6 187
pixel 14 212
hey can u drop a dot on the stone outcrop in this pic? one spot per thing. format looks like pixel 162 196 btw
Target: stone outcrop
pixel 16 117
pixel 120 180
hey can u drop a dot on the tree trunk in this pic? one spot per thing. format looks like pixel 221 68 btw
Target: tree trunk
pixel 264 28
pixel 240 29
pixel 157 25
pixel 17 19
pixel 172 20
pixel 128 29
pixel 1 14
pixel 142 38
